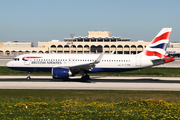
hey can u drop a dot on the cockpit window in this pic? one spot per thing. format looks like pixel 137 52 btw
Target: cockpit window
pixel 16 59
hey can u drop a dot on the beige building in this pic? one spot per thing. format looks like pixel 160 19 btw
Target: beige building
pixel 95 42
pixel 120 47
pixel 99 34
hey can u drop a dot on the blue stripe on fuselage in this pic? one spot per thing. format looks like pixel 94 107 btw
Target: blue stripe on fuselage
pixel 48 69
pixel 31 69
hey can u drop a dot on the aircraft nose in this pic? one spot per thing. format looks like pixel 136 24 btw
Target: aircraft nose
pixel 9 64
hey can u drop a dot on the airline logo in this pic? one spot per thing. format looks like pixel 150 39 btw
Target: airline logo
pixel 159 45
pixel 29 57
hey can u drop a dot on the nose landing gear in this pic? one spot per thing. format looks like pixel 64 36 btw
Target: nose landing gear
pixel 29 76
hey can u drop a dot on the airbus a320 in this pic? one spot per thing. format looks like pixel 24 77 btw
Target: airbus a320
pixel 63 66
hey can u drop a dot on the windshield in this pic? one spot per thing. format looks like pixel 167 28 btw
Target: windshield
pixel 16 59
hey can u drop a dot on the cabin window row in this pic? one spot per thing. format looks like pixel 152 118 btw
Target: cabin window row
pixel 80 60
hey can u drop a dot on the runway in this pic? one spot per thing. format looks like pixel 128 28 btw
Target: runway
pixel 96 83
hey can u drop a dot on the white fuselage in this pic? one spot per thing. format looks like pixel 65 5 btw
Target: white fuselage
pixel 109 62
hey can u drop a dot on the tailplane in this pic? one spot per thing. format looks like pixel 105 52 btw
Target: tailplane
pixel 159 44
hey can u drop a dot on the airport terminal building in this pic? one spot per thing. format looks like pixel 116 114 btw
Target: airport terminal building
pixel 95 42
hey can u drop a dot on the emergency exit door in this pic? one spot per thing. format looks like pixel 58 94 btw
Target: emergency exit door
pixel 138 60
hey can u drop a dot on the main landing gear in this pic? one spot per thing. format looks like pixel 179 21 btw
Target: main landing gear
pixel 29 76
pixel 86 77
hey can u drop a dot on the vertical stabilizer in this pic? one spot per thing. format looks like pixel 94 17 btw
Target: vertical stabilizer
pixel 159 44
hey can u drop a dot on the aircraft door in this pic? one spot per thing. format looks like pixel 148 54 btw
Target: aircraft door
pixel 27 62
pixel 138 60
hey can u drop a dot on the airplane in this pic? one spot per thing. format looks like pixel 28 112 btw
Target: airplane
pixel 62 66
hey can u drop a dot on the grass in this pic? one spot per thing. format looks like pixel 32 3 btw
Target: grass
pixel 88 104
pixel 70 109
pixel 156 72
pixel 89 95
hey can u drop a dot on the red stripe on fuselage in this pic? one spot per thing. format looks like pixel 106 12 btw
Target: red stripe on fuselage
pixel 162 37
pixel 32 57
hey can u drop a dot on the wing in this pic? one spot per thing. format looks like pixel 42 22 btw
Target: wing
pixel 86 66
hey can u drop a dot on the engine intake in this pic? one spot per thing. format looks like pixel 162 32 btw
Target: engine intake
pixel 60 73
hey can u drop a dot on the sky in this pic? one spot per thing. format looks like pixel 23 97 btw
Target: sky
pixel 45 20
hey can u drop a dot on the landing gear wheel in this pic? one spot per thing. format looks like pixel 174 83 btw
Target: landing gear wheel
pixel 86 77
pixel 29 76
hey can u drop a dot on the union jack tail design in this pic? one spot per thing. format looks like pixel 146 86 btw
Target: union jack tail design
pixel 159 44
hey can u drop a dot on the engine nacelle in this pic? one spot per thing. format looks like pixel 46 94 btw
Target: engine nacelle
pixel 60 73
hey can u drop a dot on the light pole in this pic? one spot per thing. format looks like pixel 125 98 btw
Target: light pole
pixel 72 36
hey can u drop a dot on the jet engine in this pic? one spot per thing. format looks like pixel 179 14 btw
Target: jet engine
pixel 60 73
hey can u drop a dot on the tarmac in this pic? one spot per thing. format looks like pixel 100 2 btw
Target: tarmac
pixel 95 83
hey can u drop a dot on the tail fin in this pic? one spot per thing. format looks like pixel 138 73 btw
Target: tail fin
pixel 159 44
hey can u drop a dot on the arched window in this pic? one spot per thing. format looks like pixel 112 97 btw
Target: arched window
pixel 133 46
pixel 120 46
pixel 20 52
pixel 106 46
pixel 33 51
pixel 59 46
pixel 66 46
pixel 73 46
pixel 140 46
pixel 53 46
pixel 86 46
pixel 40 51
pixel 27 51
pixel 7 52
pixel 80 46
pixel 113 46
pixel 126 46
pixel 1 52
